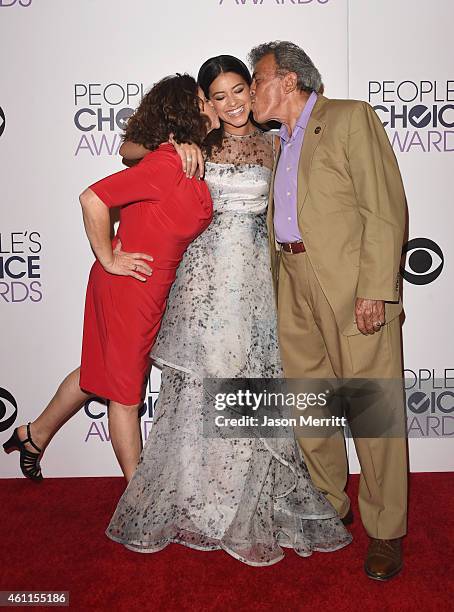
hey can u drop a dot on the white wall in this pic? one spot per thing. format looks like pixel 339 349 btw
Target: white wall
pixel 52 52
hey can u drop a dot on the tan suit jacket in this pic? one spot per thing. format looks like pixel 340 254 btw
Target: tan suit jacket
pixel 351 208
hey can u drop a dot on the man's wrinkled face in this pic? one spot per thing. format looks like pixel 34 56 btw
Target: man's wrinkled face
pixel 266 90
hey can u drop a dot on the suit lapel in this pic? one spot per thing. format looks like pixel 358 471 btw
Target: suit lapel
pixel 314 132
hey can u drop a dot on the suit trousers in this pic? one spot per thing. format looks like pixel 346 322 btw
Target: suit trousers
pixel 312 346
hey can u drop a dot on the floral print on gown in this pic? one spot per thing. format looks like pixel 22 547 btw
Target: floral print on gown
pixel 251 497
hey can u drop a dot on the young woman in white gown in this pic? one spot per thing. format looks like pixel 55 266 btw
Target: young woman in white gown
pixel 248 496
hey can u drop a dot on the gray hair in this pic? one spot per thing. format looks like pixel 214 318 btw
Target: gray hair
pixel 290 58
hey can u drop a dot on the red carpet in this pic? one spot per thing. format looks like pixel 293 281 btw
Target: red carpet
pixel 52 538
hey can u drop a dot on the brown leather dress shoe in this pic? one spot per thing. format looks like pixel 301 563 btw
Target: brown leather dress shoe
pixel 384 559
pixel 348 518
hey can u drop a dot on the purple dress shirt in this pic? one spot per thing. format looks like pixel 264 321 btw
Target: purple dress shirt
pixel 286 178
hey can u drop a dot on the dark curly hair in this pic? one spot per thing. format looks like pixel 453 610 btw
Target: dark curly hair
pixel 171 106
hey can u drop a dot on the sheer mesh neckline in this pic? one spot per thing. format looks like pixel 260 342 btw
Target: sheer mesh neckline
pixel 254 149
pixel 253 133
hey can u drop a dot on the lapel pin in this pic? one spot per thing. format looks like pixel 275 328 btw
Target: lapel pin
pixel 318 129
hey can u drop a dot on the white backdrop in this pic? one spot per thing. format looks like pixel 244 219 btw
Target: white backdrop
pixel 70 71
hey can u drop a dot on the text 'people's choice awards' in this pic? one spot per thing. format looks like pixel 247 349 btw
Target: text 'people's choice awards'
pixel 20 267
pixel 419 115
pixel 101 113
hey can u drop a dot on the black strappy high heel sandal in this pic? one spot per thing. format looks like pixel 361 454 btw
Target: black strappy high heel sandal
pixel 29 462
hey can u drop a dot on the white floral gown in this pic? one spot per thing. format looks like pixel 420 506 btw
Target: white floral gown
pixel 248 496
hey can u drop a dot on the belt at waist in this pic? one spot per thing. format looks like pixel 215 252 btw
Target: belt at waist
pixel 293 247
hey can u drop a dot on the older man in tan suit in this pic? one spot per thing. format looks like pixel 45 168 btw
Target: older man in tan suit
pixel 336 225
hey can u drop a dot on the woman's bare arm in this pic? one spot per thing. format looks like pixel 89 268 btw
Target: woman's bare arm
pixel 190 155
pixel 97 226
pixel 131 151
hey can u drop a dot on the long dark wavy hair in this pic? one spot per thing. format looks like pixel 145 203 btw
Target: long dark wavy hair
pixel 171 105
pixel 209 71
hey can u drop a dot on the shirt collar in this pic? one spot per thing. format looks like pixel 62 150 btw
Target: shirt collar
pixel 302 120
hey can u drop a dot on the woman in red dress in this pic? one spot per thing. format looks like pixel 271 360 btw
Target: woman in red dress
pixel 162 211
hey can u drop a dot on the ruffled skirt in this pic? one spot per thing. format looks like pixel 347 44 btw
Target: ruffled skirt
pixel 251 497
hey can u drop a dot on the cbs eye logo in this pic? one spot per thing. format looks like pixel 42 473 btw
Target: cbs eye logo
pixel 424 261
pixel 6 3
pixel 2 121
pixel 5 399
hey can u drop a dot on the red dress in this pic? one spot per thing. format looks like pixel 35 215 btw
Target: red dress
pixel 162 213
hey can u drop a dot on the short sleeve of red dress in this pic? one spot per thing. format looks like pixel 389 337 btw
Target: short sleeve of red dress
pixel 148 181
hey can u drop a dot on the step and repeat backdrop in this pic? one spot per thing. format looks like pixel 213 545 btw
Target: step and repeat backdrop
pixel 71 74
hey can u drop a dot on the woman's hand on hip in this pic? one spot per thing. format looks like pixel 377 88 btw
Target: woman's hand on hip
pixel 191 157
pixel 129 264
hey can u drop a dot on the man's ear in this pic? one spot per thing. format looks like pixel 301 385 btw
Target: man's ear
pixel 289 82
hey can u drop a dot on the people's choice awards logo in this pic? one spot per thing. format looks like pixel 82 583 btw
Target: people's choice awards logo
pixel 424 261
pixel 96 411
pixel 8 404
pixel 2 121
pixel 20 267
pixel 419 115
pixel 430 402
pixel 101 112
pixel 7 3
